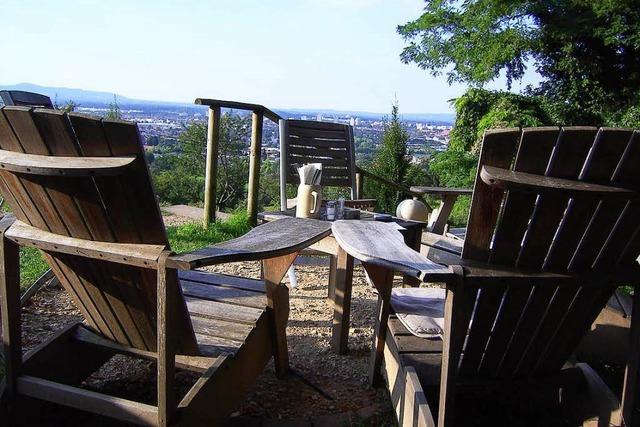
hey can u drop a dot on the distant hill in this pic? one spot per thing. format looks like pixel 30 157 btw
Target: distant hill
pixel 96 98
pixel 63 94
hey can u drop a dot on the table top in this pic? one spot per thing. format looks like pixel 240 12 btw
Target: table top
pixel 364 216
pixel 444 191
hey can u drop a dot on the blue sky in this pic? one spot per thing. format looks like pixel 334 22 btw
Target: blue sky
pixel 339 54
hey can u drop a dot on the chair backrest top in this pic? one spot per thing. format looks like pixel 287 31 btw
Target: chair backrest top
pixel 23 98
pixel 306 141
pixel 557 211
pixel 111 201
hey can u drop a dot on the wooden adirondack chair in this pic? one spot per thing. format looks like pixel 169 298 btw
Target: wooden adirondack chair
pixel 81 192
pixel 554 229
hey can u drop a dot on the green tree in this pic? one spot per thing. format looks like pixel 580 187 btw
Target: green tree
pixel 68 107
pixel 114 112
pixel 587 51
pixel 390 162
pixel 179 171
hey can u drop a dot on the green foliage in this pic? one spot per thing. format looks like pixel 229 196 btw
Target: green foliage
pixel 192 236
pixel 68 107
pixel 179 169
pixel 114 112
pixel 473 40
pixel 477 111
pixel 587 51
pixel 390 162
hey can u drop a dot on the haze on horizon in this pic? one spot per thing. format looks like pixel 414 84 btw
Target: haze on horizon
pixel 333 54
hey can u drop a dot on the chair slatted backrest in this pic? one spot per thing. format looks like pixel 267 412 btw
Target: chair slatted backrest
pixel 25 99
pixel 527 327
pixel 306 141
pixel 118 301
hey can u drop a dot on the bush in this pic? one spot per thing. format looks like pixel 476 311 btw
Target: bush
pixel 477 111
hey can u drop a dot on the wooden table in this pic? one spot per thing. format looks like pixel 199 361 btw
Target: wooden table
pixel 448 197
pixel 341 271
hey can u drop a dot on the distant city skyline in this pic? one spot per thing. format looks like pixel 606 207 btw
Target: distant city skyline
pixel 287 54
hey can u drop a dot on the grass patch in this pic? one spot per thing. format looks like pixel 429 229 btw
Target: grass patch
pixel 188 237
pixel 32 266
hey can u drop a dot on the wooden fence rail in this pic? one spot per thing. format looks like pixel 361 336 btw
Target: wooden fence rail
pixel 213 143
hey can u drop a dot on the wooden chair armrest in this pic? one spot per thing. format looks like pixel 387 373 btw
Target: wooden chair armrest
pixel 382 244
pixel 531 183
pixel 140 255
pixel 273 239
pixel 493 275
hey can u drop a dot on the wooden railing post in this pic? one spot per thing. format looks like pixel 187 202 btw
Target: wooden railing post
pixel 254 167
pixel 359 184
pixel 213 140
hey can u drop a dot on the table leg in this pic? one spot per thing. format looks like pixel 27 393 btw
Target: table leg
pixel 342 302
pixel 444 211
pixel 413 239
pixel 332 279
pixel 383 281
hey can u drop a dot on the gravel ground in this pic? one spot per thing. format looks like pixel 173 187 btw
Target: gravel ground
pixel 342 379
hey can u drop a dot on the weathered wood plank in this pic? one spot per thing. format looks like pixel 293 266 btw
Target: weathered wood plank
pixel 534 149
pixel 224 294
pixel 266 241
pixel 566 162
pixel 10 311
pixel 102 404
pixel 218 279
pixel 382 244
pixel 222 311
pixel 599 167
pixel 220 328
pixel 273 270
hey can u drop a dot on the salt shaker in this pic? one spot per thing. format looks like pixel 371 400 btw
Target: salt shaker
pixel 331 211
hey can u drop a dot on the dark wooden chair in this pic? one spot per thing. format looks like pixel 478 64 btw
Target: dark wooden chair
pixel 81 193
pixel 307 141
pixel 553 230
pixel 26 99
